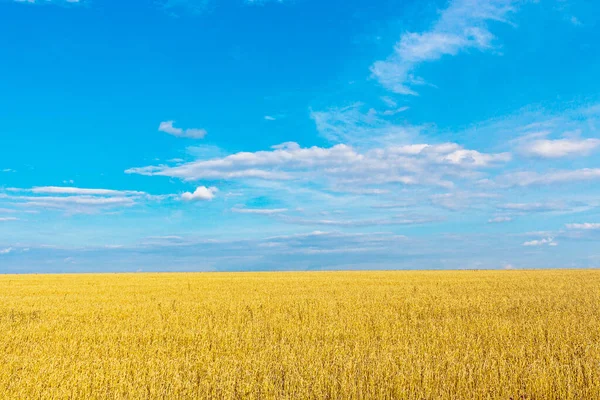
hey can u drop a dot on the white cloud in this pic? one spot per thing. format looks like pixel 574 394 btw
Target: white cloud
pixel 541 242
pixel 60 202
pixel 55 2
pixel 8 170
pixel 395 111
pixel 459 200
pixel 264 211
pixel 74 200
pixel 340 165
pixel 382 221
pixel 560 148
pixel 350 125
pixel 528 178
pixel 462 26
pixel 202 193
pixel 584 226
pixel 575 21
pixel 77 191
pixel 192 133
pixel 269 118
pixel 497 220
pixel 532 207
pixel 6 219
pixel 6 251
pixel 48 1
pixel 389 101
pixel 262 2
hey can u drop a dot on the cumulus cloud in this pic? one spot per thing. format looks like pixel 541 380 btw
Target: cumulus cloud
pixel 202 193
pixel 192 133
pixel 462 26
pixel 549 241
pixel 584 226
pixel 560 147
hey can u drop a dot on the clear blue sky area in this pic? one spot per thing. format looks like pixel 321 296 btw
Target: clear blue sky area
pixel 201 135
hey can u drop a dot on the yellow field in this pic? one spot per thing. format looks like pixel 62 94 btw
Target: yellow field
pixel 329 335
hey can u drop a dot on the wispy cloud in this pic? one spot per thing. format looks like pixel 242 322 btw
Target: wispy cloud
pixel 529 178
pixel 263 2
pixel 192 133
pixel 462 26
pixel 460 200
pixel 498 220
pixel 75 200
pixel 384 221
pixel 76 191
pixel 575 21
pixel 532 207
pixel 394 111
pixel 6 250
pixel 351 125
pixel 560 147
pixel 541 242
pixel 270 118
pixel 56 2
pixel 584 226
pixel 263 211
pixel 6 219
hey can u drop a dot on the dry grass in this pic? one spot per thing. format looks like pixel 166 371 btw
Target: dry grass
pixel 340 335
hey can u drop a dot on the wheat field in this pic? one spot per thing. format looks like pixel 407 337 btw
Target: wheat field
pixel 311 335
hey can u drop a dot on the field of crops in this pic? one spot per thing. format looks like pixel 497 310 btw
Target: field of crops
pixel 328 335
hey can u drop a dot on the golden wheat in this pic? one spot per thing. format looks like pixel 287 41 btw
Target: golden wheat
pixel 327 335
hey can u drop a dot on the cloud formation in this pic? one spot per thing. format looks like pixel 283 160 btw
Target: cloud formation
pixel 340 165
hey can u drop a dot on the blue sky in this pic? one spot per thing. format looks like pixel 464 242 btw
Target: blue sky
pixel 202 135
